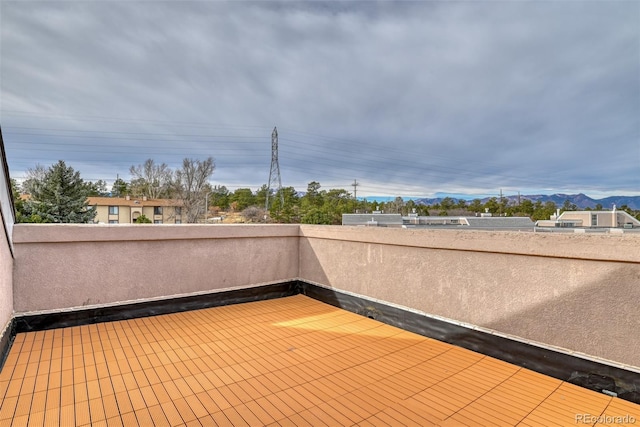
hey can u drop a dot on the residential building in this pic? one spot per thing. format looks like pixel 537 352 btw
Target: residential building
pixel 484 221
pixel 481 222
pixel 375 219
pixel 125 210
pixel 591 219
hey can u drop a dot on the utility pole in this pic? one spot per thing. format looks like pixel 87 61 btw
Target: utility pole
pixel 274 172
pixel 206 206
pixel 355 185
pixel 501 202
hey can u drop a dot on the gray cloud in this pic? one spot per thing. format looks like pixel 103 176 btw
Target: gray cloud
pixel 408 98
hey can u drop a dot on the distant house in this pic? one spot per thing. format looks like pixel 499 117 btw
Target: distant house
pixel 125 210
pixel 375 219
pixel 591 219
pixel 485 221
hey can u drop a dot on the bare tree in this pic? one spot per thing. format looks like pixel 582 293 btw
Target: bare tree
pixel 34 178
pixel 150 179
pixel 254 214
pixel 191 186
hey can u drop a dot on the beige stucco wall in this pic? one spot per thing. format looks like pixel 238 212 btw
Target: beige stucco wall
pixel 168 215
pixel 124 214
pixel 605 219
pixel 577 292
pixel 6 257
pixel 64 266
pixel 102 214
pixel 103 217
pixel 6 281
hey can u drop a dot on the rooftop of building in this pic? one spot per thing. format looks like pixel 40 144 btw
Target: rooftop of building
pixel 132 201
pixel 124 201
pixel 414 220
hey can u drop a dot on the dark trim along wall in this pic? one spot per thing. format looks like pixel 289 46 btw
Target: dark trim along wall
pixel 586 373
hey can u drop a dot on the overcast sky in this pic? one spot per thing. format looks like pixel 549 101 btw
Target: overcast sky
pixel 408 98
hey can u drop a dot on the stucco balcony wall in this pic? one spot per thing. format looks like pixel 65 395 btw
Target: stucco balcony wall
pixel 6 283
pixel 579 292
pixel 67 266
pixel 576 292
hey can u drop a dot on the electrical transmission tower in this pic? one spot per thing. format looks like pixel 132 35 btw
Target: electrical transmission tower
pixel 355 185
pixel 274 173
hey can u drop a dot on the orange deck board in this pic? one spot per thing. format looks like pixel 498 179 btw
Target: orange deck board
pixel 289 361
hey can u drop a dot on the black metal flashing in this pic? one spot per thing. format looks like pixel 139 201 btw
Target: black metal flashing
pixel 6 341
pixel 40 322
pixel 586 373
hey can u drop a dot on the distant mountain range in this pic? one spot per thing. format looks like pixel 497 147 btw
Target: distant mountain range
pixel 582 201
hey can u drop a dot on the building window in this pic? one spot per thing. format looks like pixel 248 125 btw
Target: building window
pixel 594 219
pixel 157 221
pixel 157 210
pixel 178 210
pixel 113 210
pixel 113 221
pixel 178 221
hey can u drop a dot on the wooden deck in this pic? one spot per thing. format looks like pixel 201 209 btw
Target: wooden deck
pixel 291 362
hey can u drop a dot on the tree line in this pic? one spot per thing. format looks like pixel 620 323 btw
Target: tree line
pixel 58 194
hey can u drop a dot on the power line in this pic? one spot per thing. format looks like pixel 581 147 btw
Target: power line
pixel 234 150
pixel 125 120
pixel 390 159
pixel 310 140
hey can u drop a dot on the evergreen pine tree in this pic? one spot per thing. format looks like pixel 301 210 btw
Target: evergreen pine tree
pixel 61 196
